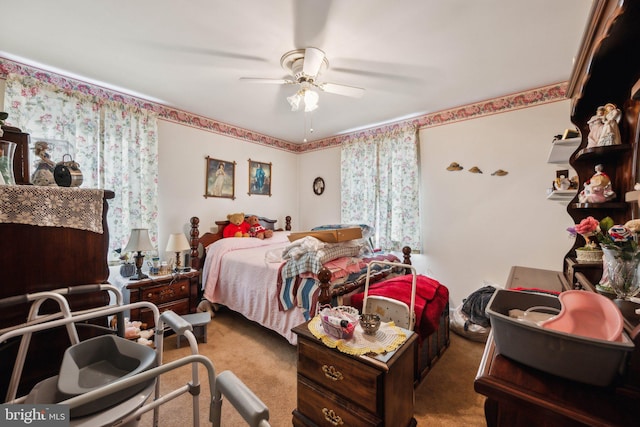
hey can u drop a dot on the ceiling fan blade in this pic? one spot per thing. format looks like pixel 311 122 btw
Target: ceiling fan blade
pixel 267 81
pixel 175 49
pixel 352 91
pixel 313 58
pixel 309 22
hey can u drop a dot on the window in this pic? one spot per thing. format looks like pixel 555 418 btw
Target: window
pixel 115 145
pixel 380 186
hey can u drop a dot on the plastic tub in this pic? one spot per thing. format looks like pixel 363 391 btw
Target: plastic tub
pixel 587 360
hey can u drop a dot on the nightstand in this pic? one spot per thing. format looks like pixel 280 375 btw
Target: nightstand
pixel 335 388
pixel 177 292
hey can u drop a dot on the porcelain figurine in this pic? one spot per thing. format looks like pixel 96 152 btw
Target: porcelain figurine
pixel 597 189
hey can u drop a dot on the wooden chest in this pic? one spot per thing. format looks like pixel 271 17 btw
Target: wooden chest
pixel 338 389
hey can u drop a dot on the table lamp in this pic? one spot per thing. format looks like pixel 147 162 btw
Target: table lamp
pixel 139 242
pixel 177 243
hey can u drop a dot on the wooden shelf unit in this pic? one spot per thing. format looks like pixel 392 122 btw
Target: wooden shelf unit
pixel 607 69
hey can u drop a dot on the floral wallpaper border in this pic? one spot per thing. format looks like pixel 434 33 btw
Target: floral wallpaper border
pixel 532 97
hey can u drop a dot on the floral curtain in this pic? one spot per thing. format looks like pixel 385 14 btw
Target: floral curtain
pixel 380 186
pixel 130 167
pixel 115 145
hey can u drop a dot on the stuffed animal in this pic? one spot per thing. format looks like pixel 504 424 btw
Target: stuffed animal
pixel 257 230
pixel 237 226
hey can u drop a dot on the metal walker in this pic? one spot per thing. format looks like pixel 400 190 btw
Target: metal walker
pixel 126 413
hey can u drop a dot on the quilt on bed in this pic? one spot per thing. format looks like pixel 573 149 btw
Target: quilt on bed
pixel 298 286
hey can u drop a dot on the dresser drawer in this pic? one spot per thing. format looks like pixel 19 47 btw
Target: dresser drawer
pixel 340 374
pixel 179 307
pixel 165 293
pixel 326 409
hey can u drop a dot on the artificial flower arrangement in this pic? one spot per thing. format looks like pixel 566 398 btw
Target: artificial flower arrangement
pixel 590 228
pixel 621 253
pixel 608 235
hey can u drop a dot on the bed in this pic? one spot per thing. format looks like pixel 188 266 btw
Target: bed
pixel 236 274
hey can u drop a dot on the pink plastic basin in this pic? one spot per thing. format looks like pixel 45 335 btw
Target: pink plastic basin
pixel 587 314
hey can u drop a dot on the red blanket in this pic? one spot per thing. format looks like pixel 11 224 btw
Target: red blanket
pixel 431 299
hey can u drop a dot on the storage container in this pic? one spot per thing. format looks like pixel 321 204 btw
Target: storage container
pixel 330 236
pixel 588 360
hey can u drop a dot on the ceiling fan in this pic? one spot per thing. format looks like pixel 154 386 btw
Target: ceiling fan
pixel 305 65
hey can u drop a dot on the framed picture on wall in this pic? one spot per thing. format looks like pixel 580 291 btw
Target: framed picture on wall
pixel 220 178
pixel 259 178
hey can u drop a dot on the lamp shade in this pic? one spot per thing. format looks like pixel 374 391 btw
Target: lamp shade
pixel 307 95
pixel 310 100
pixel 139 241
pixel 178 243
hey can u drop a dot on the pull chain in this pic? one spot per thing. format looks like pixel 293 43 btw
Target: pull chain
pixel 310 127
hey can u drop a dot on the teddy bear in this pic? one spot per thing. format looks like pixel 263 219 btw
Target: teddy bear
pixel 257 230
pixel 237 226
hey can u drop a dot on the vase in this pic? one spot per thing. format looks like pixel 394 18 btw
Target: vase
pixel 7 151
pixel 622 269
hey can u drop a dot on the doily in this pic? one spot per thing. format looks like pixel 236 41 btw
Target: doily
pixel 388 338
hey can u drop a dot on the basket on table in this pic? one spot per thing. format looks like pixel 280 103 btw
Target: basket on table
pixel 339 322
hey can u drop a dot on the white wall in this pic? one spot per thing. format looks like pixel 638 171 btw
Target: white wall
pixel 476 226
pixel 324 209
pixel 181 182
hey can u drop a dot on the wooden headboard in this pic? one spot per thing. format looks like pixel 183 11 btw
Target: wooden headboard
pixel 208 238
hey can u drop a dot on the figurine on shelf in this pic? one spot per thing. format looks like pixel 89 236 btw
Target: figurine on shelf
pixel 610 133
pixel 562 183
pixel 596 123
pixel 597 189
pixel 43 173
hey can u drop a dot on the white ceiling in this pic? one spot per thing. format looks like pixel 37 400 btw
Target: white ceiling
pixel 413 57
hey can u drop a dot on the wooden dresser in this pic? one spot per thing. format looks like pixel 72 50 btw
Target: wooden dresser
pixel 39 258
pixel 178 292
pixel 338 389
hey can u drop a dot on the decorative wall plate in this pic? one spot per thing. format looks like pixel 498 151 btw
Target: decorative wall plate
pixel 318 186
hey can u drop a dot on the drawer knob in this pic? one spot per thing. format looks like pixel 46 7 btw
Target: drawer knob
pixel 332 417
pixel 183 287
pixel 331 373
pixel 149 295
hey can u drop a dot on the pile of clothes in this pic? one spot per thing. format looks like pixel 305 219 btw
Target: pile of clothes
pixel 470 319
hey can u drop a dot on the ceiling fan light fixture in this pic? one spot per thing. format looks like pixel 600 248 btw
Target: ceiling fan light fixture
pixel 294 101
pixel 307 96
pixel 310 100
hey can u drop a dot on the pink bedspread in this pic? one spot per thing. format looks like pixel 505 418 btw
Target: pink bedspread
pixel 431 299
pixel 236 275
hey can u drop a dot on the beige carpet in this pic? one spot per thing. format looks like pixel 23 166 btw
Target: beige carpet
pixel 266 362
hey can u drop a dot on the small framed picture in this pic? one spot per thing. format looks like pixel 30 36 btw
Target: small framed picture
pixel 220 178
pixel 259 178
pixel 318 186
